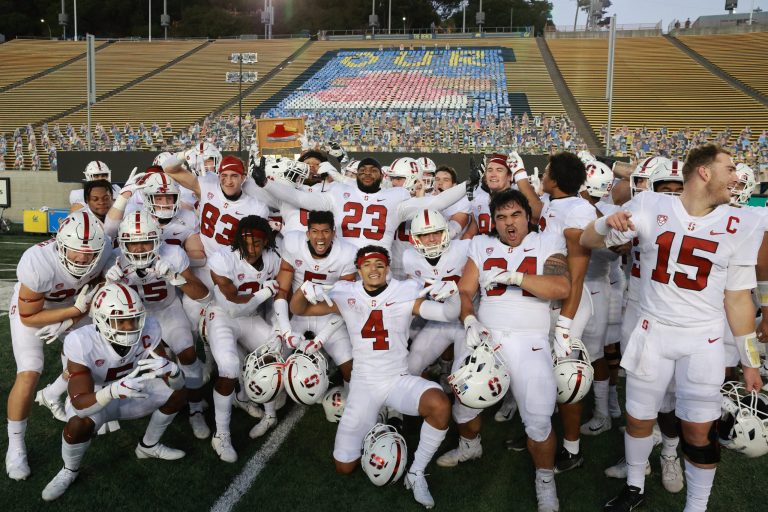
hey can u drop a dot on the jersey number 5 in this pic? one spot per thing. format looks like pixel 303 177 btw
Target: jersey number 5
pixel 686 257
pixel 374 328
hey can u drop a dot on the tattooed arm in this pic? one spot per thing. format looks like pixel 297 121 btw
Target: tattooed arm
pixel 553 284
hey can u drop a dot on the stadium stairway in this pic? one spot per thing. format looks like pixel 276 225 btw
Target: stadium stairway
pixel 717 70
pixel 127 85
pixel 230 104
pixel 50 70
pixel 569 101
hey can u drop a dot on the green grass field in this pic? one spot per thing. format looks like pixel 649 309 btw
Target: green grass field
pixel 300 476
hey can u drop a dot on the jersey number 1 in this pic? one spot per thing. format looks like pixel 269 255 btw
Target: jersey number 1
pixel 374 328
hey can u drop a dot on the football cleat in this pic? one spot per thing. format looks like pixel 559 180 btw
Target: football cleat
pixel 59 485
pixel 507 410
pixel 619 470
pixel 200 428
pixel 566 461
pixel 629 499
pixel 597 425
pixel 261 428
pixel 253 410
pixel 546 494
pixel 16 464
pixel 466 451
pixel 56 407
pixel 158 451
pixel 671 473
pixel 222 445
pixel 417 482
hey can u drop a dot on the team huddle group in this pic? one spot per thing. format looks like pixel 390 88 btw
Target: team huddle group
pixel 517 289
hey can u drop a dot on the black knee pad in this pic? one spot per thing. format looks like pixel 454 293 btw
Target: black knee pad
pixel 708 454
pixel 614 357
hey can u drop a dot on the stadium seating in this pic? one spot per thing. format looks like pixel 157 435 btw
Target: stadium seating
pixel 20 59
pixel 743 56
pixel 655 85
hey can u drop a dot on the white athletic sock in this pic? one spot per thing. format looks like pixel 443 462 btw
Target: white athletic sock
pixel 55 389
pixel 636 452
pixel 469 443
pixel 270 409
pixel 429 441
pixel 346 387
pixel 72 454
pixel 222 407
pixel 195 407
pixel 613 397
pixel 600 389
pixel 16 432
pixel 157 425
pixel 572 446
pixel 545 474
pixel 699 483
pixel 669 445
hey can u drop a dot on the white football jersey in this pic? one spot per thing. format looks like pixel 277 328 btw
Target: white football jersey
pixel 565 213
pixel 85 346
pixel 448 268
pixel 156 293
pixel 295 219
pixel 246 278
pixel 601 259
pixel 220 216
pixel 510 307
pixel 77 196
pixel 183 225
pixel 340 261
pixel 39 270
pixel 400 244
pixel 684 259
pixel 461 206
pixel 378 326
pixel 481 212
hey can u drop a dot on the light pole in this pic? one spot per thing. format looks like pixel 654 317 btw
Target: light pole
pixel 50 36
pixel 241 58
pixel 403 24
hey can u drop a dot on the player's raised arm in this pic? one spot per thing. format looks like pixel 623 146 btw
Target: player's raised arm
pixel 173 167
pixel 298 198
pixel 409 208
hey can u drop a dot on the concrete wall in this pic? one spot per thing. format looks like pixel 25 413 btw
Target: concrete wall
pixel 31 190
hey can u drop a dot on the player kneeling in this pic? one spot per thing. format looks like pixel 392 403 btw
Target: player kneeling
pixel 377 315
pixel 117 371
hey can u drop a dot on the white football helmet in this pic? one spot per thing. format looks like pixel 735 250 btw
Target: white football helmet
pixel 429 221
pixel 263 374
pixel 306 377
pixel 385 455
pixel 96 170
pixel 351 169
pixel 644 171
pixel 428 169
pixel 333 403
pixel 159 184
pixel 746 415
pixel 114 306
pixel 599 179
pixel 481 380
pixel 79 242
pixel 746 185
pixel 671 170
pixel 203 158
pixel 573 374
pixel 406 168
pixel 139 226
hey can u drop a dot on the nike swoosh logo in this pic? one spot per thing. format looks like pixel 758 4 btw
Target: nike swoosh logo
pixel 449 271
pixel 238 213
pixel 551 216
pixel 592 429
pixel 536 349
pixel 526 250
pixel 174 234
pixel 712 340
pixel 613 282
pixel 388 304
pixel 593 293
pixel 715 233
pixel 380 200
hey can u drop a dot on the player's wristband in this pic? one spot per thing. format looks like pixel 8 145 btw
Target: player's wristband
pixel 564 322
pixel 120 203
pixel 104 396
pixel 601 226
pixel 762 293
pixel 747 347
pixel 520 175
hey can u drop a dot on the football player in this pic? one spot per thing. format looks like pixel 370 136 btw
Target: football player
pixel 377 314
pixel 696 254
pixel 94 171
pixel 156 269
pixel 502 172
pixel 518 272
pixel 566 214
pixel 98 198
pixel 54 291
pixel 458 215
pixel 321 257
pixel 243 276
pixel 117 370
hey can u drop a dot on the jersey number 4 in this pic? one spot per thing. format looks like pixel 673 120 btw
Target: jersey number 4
pixel 374 328
pixel 686 257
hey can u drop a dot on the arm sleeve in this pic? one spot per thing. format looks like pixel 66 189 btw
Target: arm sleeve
pixel 299 198
pixel 410 208
pixel 740 277
pixel 447 311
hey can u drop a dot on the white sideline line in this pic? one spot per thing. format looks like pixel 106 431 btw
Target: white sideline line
pixel 16 243
pixel 256 464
